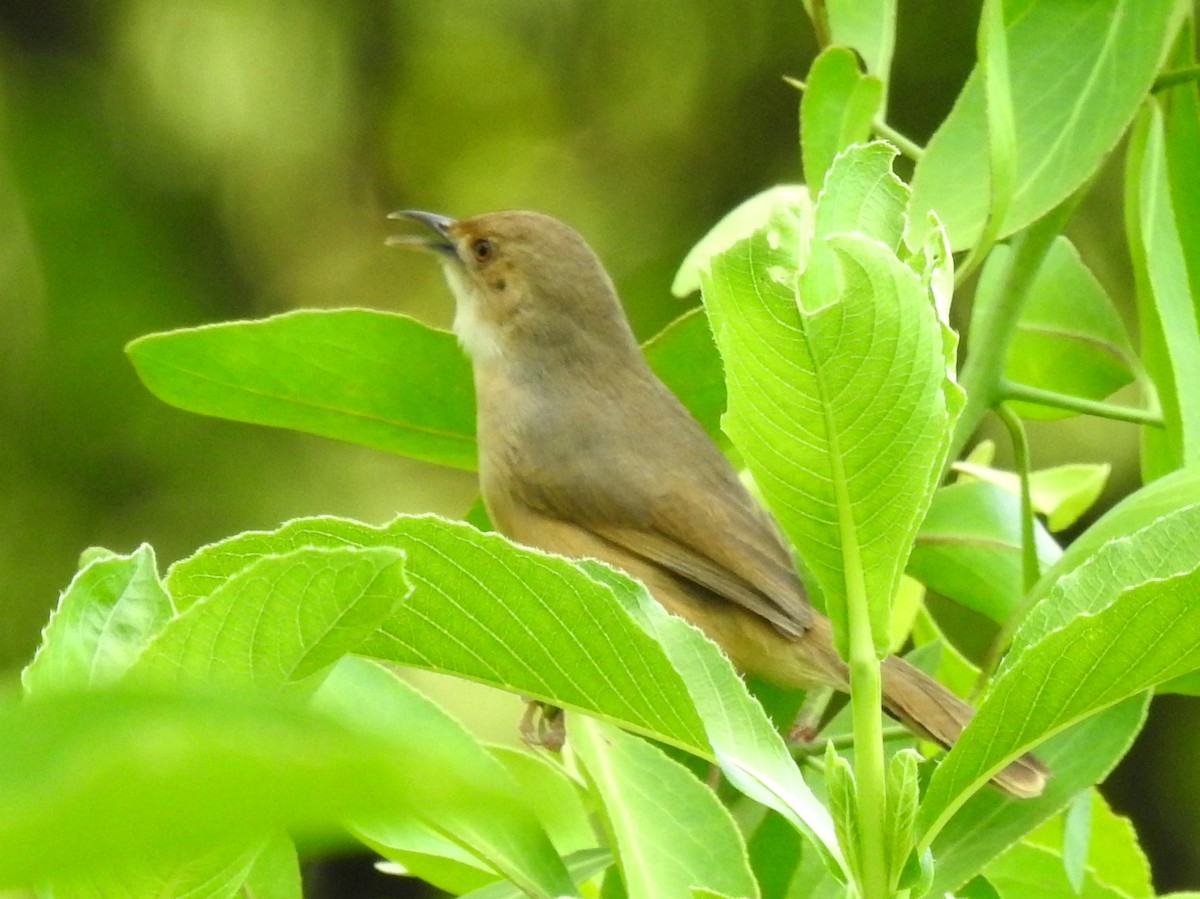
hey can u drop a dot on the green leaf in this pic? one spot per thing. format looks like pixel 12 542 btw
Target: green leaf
pixel 1062 493
pixel 205 873
pixel 868 27
pixel 480 610
pixel 837 110
pixel 376 378
pixel 1167 547
pixel 989 822
pixel 843 422
pixel 903 795
pixel 979 888
pixel 581 865
pixel 1070 338
pixel 1182 138
pixel 1166 307
pixel 739 224
pixel 554 796
pixel 104 619
pixel 1148 634
pixel 1171 493
pixel 969 548
pixel 685 358
pixel 695 844
pixel 467 793
pixel 1103 847
pixel 276 872
pixel 992 44
pixel 277 619
pixel 1027 870
pixel 843 805
pixel 1092 63
pixel 1077 826
pixel 775 855
pixel 210 771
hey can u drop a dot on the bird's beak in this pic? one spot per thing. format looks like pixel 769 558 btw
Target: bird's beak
pixel 441 224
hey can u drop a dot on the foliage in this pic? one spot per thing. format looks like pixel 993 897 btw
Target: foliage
pixel 181 731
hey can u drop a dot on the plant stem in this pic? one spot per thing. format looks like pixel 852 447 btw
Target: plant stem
pixel 866 697
pixel 1020 442
pixel 1174 78
pixel 845 741
pixel 994 323
pixel 1031 569
pixel 1013 391
pixel 905 145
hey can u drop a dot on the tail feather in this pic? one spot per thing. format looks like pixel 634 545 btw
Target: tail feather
pixel 927 708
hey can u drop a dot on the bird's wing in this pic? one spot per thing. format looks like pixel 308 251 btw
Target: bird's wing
pixel 698 522
pixel 725 543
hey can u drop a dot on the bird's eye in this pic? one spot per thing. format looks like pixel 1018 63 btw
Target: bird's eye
pixel 482 249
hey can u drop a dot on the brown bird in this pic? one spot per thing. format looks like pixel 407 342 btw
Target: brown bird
pixel 584 452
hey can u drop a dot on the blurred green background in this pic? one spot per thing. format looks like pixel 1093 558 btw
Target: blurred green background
pixel 167 163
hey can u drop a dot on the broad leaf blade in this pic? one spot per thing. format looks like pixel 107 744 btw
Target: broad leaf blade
pixel 838 401
pixel 695 845
pixel 538 625
pixel 211 771
pixel 375 378
pixel 1079 72
pixel 1069 338
pixel 989 823
pixel 685 358
pixel 1148 634
pixel 468 794
pixel 1166 308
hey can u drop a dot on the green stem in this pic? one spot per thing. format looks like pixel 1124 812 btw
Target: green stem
pixel 994 323
pixel 845 741
pixel 1175 77
pixel 866 692
pixel 1020 442
pixel 905 145
pixel 1030 566
pixel 1013 391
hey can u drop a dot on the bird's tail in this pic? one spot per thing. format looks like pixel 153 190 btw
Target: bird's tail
pixel 929 709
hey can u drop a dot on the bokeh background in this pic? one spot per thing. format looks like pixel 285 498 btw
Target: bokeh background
pixel 167 163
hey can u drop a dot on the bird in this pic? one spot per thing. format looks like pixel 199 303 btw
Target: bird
pixel 585 453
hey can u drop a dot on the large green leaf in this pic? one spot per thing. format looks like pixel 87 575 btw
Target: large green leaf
pixel 112 608
pixel 695 844
pixel 104 780
pixel 542 626
pixel 467 794
pixel 1167 547
pixel 1148 634
pixel 1079 71
pixel 1110 850
pixel 1069 338
pixel 838 391
pixel 1027 870
pixel 989 823
pixel 374 378
pixel 1166 308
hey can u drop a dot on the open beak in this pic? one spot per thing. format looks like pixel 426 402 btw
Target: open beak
pixel 440 224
